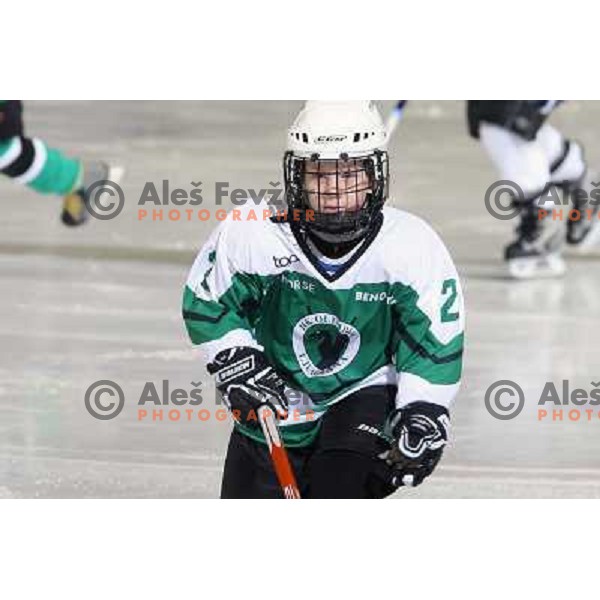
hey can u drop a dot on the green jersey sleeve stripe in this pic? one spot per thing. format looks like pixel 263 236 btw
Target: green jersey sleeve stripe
pixel 433 350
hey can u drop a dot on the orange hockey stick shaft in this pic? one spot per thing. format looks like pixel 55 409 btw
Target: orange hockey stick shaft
pixel 279 456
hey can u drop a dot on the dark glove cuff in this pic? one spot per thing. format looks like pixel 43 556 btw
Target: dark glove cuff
pixel 429 409
pixel 401 415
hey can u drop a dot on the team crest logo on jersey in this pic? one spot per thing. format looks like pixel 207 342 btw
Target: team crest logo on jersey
pixel 324 345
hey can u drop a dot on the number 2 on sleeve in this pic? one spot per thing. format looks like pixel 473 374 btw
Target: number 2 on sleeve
pixel 449 287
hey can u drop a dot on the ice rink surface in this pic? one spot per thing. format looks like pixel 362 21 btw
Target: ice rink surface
pixel 103 303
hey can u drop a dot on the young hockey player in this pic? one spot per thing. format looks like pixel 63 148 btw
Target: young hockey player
pixel 347 322
pixel 31 162
pixel 531 153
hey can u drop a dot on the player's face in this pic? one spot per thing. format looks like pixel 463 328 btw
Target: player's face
pixel 336 186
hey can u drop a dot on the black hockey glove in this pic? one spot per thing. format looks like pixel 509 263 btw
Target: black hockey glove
pixel 247 382
pixel 420 431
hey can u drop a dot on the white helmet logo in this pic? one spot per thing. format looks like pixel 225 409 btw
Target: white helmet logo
pixel 330 138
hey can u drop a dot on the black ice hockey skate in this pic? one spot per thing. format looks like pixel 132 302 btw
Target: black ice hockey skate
pixel 537 250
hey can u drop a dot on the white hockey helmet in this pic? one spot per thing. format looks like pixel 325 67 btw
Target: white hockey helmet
pixel 333 128
pixel 342 145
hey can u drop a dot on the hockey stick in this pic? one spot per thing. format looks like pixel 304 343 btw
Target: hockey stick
pixel 395 117
pixel 279 456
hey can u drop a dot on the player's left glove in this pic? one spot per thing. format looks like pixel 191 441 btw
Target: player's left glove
pixel 419 431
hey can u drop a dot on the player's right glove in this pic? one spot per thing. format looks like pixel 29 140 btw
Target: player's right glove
pixel 419 431
pixel 247 382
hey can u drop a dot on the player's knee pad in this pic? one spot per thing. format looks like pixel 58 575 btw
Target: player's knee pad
pixel 11 120
pixel 551 141
pixel 523 117
pixel 516 159
pixel 570 165
pixel 566 157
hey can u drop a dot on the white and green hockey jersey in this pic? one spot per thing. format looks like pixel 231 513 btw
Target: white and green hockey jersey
pixel 393 314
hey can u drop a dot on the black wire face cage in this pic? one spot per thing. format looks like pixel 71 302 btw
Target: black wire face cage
pixel 337 200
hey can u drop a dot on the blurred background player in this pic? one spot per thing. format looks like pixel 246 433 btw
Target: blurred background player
pixel 528 151
pixel 29 161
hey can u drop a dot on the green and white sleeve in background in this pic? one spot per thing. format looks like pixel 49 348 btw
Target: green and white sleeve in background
pixel 29 161
pixel 32 163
